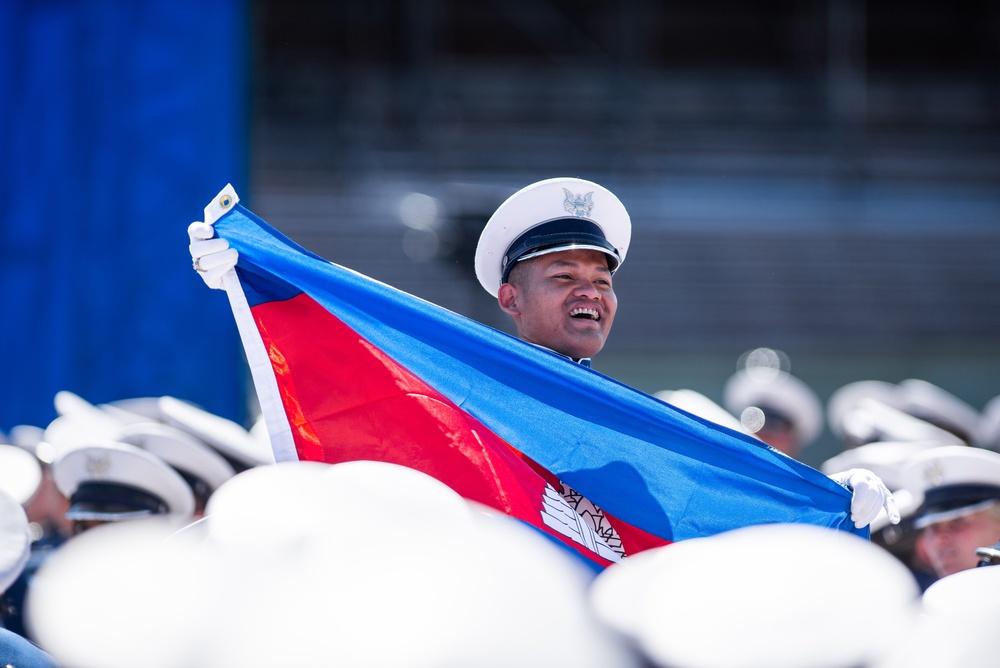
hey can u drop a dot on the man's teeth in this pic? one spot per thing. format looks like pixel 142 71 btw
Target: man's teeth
pixel 585 313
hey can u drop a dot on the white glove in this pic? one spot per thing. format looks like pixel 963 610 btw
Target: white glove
pixel 211 257
pixel 869 496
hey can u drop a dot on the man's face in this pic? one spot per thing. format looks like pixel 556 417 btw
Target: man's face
pixel 562 301
pixel 951 546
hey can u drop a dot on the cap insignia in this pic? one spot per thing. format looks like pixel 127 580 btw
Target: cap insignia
pixel 98 465
pixel 579 205
pixel 934 473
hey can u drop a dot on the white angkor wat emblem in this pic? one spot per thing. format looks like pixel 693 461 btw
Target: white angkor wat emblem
pixel 558 515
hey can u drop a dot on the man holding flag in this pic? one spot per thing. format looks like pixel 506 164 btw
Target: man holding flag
pixel 652 473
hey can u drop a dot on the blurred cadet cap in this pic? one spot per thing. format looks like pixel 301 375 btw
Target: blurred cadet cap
pixel 20 473
pixel 228 438
pixel 26 436
pixel 846 398
pixel 31 438
pixel 939 407
pixel 871 420
pixel 549 216
pixel 15 543
pixel 774 591
pixel 886 459
pixel 134 409
pixel 780 396
pixel 957 625
pixel 78 421
pixel 969 592
pixel 989 424
pixel 954 481
pixel 202 467
pixel 698 404
pixel 111 481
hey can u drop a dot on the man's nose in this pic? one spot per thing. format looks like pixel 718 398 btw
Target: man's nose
pixel 586 288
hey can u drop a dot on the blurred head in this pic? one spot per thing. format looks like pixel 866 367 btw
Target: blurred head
pixel 950 546
pixel 960 487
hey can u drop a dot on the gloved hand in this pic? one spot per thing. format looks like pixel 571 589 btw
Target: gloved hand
pixel 869 496
pixel 211 257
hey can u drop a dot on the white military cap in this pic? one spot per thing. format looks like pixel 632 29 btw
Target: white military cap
pixel 886 459
pixel 965 592
pixel 113 481
pixel 32 439
pixel 549 216
pixel 20 473
pixel 228 438
pixel 989 424
pixel 954 481
pixel 15 542
pixel 775 391
pixel 78 422
pixel 957 627
pixel 203 467
pixel 845 398
pixel 940 407
pixel 698 404
pixel 871 420
pixel 26 436
pixel 774 591
pixel 135 409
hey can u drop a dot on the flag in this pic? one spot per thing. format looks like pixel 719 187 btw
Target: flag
pixel 348 368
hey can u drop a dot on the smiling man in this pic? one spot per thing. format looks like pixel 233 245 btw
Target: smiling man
pixel 548 254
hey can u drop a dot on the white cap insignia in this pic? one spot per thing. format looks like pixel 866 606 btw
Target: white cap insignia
pixel 579 205
pixel 98 465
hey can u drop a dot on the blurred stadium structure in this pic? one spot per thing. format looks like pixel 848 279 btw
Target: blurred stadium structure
pixel 817 176
pixel 822 177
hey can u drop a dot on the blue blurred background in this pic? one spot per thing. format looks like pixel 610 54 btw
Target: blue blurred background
pixel 819 177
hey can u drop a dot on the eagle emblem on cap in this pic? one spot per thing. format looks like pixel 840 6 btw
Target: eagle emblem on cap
pixel 934 473
pixel 98 465
pixel 578 205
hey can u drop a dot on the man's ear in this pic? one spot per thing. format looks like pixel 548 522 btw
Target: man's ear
pixel 507 298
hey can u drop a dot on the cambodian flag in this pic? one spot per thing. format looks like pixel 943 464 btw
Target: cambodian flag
pixel 347 368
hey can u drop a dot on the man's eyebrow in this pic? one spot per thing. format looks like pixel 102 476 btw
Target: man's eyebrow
pixel 572 264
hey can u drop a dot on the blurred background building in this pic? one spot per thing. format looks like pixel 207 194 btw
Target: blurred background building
pixel 817 176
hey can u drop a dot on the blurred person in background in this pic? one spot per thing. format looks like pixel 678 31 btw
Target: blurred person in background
pixel 888 460
pixel 16 651
pixel 25 477
pixel 960 512
pixel 779 408
pixel 117 482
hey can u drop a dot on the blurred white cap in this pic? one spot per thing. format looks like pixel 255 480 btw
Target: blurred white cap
pixel 15 544
pixel 764 596
pixel 20 473
pixel 230 439
pixel 113 481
